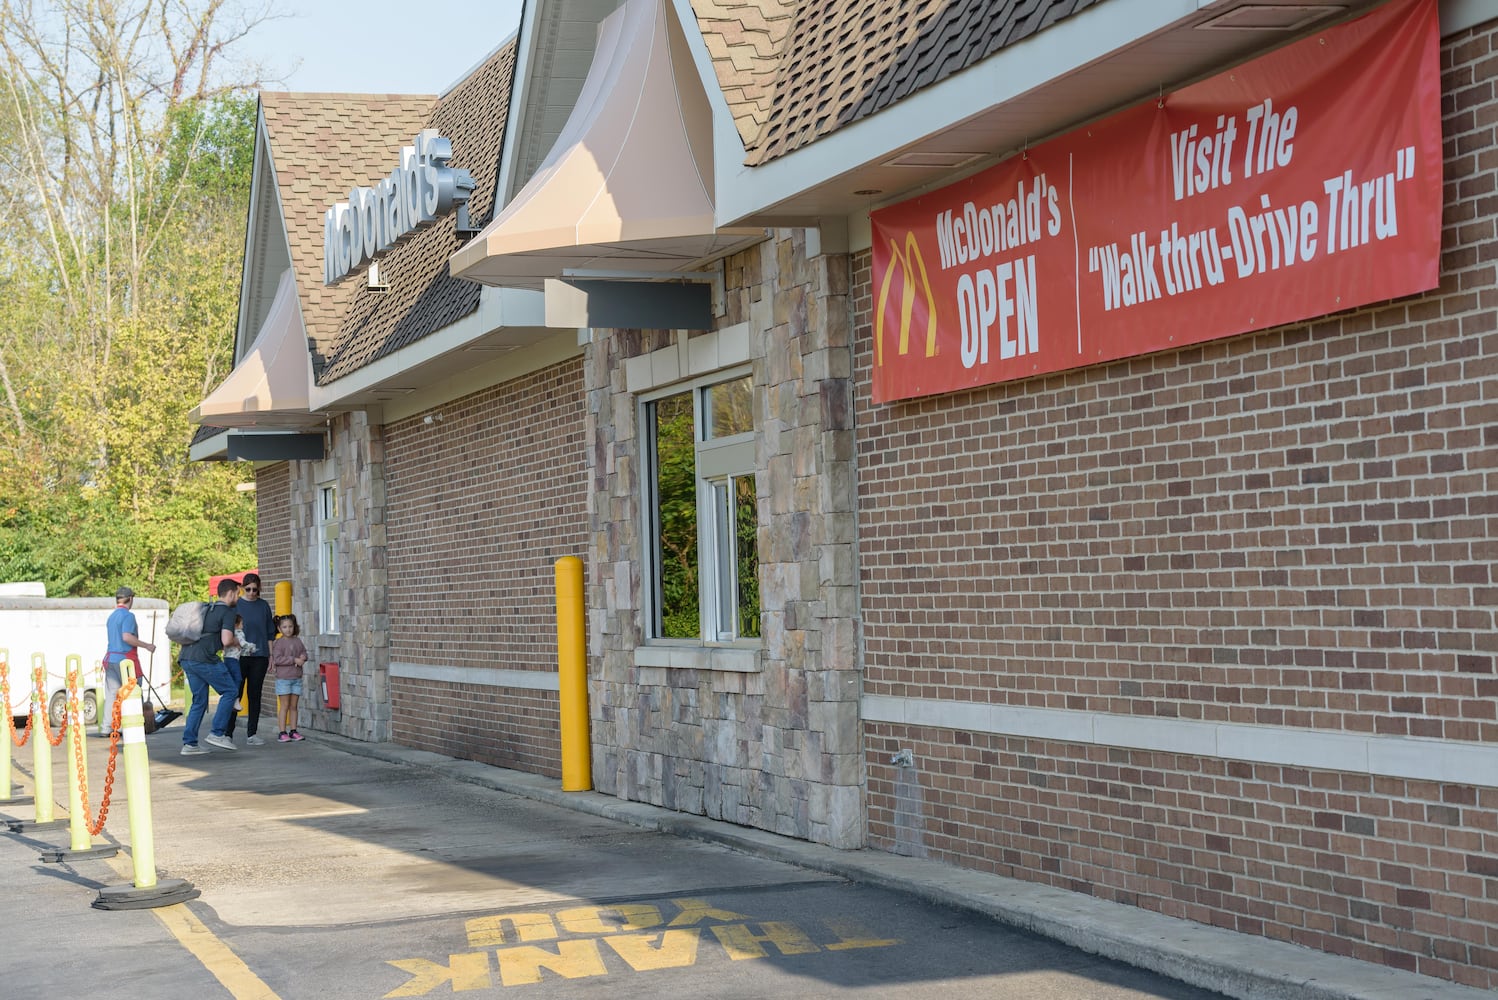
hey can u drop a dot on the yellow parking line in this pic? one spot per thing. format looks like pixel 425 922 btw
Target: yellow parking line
pixel 216 956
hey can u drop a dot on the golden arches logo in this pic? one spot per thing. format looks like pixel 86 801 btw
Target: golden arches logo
pixel 911 267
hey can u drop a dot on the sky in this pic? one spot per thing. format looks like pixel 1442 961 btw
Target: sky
pixel 377 46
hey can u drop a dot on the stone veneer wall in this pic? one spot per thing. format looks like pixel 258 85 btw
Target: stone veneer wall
pixel 777 749
pixel 361 647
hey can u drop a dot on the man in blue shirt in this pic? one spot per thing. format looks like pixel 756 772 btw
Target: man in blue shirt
pixel 124 636
pixel 203 666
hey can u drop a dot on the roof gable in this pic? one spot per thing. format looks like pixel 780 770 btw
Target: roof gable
pixel 321 146
pixel 422 295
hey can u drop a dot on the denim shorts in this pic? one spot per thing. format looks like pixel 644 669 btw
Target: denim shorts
pixel 288 685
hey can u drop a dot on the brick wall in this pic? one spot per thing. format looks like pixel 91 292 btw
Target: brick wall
pixel 482 502
pixel 273 524
pixel 1294 528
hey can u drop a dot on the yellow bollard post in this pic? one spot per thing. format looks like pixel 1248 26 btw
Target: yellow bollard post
pixel 41 755
pixel 283 598
pixel 148 890
pixel 572 664
pixel 81 843
pixel 6 737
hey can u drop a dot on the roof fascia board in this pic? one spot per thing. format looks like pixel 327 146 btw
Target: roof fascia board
pixel 743 191
pixel 210 448
pixel 251 230
pixel 515 116
pixel 498 308
pixel 263 184
pixel 728 145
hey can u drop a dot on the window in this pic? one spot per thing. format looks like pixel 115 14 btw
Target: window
pixel 327 558
pixel 701 514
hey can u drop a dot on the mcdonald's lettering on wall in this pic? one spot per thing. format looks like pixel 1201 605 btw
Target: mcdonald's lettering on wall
pixel 1304 182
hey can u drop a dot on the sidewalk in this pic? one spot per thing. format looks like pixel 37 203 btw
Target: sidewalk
pixel 1227 962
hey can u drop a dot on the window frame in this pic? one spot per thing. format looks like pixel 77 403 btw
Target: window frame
pixel 717 463
pixel 327 558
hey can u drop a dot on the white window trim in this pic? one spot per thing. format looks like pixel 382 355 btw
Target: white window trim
pixel 689 364
pixel 327 562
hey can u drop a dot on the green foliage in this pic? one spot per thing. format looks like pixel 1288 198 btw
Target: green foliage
pixel 93 448
pixel 676 494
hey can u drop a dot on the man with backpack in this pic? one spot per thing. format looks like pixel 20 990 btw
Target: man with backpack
pixel 203 666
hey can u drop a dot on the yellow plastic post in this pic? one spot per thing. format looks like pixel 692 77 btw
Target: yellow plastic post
pixel 577 763
pixel 41 750
pixel 138 792
pixel 283 598
pixel 78 836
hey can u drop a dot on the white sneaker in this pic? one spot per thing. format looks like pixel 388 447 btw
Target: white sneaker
pixel 237 706
pixel 192 750
pixel 255 741
pixel 222 742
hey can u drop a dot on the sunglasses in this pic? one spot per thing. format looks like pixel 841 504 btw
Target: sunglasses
pixel 252 589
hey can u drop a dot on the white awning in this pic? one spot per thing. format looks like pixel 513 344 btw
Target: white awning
pixel 271 385
pixel 628 184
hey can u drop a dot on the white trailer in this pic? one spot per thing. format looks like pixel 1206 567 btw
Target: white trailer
pixel 45 631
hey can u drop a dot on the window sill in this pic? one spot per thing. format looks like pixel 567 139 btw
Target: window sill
pixel 739 659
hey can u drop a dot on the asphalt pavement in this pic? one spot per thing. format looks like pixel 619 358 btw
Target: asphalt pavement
pixel 336 869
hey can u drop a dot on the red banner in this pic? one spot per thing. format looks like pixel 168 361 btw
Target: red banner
pixel 1305 182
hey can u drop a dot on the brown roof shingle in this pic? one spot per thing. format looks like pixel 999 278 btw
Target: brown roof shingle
pixel 837 61
pixel 323 145
pixel 423 296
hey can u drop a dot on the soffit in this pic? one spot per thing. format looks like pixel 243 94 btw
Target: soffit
pixel 422 295
pixel 322 146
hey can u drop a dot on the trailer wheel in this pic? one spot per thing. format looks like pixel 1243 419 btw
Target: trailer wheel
pixel 57 709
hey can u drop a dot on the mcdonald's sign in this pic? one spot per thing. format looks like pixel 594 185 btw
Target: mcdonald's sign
pixel 1304 182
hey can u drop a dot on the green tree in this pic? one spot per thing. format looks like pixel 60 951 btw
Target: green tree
pixel 124 176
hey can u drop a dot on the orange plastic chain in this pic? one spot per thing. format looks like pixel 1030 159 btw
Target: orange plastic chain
pixel 10 721
pixel 46 722
pixel 94 826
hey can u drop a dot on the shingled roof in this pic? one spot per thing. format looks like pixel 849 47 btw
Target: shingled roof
pixel 323 145
pixel 423 296
pixel 794 71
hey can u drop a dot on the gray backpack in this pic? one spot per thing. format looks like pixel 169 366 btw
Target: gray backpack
pixel 185 626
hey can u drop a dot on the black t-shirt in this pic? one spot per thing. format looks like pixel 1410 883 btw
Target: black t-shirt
pixel 217 618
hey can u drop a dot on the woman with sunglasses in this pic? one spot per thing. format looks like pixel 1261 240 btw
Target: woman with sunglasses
pixel 259 630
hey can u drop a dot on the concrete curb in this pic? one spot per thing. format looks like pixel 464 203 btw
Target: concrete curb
pixel 1234 964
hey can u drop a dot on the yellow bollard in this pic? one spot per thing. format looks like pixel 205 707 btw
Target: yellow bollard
pixel 572 664
pixel 81 843
pixel 283 598
pixel 148 890
pixel 6 731
pixel 41 754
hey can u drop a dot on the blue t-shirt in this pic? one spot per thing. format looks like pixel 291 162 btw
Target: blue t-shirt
pixel 122 621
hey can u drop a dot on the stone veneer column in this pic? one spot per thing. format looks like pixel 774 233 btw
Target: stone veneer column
pixel 778 749
pixel 361 647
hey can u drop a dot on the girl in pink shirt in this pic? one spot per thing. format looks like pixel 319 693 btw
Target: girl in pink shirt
pixel 287 657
